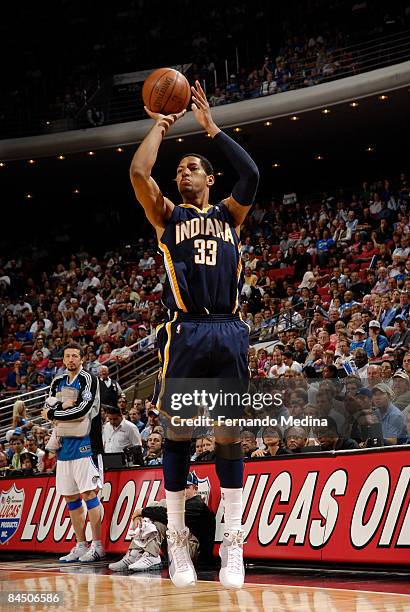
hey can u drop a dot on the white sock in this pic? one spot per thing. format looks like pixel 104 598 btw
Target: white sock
pixel 97 543
pixel 232 501
pixel 82 544
pixel 176 509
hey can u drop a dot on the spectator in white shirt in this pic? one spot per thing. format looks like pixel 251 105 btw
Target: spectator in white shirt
pixel 278 367
pixel 351 222
pixel 47 326
pixel 403 251
pixel 375 205
pixel 146 262
pixel 21 305
pixel 252 262
pixel 31 446
pixel 90 281
pixel 118 433
pixel 289 363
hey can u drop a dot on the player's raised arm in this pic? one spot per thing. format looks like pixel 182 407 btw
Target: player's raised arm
pixel 157 207
pixel 245 188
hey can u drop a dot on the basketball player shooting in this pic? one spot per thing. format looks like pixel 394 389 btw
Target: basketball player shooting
pixel 204 335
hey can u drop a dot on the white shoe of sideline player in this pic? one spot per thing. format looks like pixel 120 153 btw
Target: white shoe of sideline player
pixel 94 553
pixel 74 554
pixel 123 564
pixel 232 572
pixel 146 562
pixel 181 569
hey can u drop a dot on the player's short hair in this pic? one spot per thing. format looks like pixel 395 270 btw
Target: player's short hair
pixel 74 346
pixel 205 163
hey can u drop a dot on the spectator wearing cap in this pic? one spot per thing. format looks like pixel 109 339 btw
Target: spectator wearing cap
pixel 330 440
pixel 359 339
pixel 153 421
pixel 401 389
pixel 401 336
pixel 392 419
pixel 375 343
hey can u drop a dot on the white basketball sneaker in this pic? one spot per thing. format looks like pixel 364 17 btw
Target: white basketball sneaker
pixel 124 564
pixel 74 554
pixel 232 572
pixel 146 562
pixel 181 569
pixel 94 553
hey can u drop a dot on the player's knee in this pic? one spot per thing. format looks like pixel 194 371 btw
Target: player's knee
pixel 74 504
pixel 92 502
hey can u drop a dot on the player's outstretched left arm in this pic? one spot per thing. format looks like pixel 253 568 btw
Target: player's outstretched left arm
pixel 243 193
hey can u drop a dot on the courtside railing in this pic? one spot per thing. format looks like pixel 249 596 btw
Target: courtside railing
pixel 125 104
pixel 141 362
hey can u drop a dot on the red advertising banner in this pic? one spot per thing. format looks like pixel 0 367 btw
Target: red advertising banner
pixel 348 507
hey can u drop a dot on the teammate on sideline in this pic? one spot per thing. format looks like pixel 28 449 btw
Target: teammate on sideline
pixel 204 335
pixel 74 406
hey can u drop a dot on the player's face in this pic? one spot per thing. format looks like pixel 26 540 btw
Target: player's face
pixel 72 360
pixel 191 178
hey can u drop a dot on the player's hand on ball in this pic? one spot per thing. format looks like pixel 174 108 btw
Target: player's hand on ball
pixel 165 121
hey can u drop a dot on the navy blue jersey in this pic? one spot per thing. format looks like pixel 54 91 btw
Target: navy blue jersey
pixel 201 255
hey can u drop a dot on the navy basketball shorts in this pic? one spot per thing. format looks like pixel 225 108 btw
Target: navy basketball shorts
pixel 211 347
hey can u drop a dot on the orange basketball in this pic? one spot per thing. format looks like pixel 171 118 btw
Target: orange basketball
pixel 166 91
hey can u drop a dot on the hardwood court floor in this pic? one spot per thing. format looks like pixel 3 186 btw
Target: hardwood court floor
pixel 95 589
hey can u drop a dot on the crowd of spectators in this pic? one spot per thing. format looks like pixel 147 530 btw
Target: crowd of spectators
pixel 111 307
pixel 301 62
pixel 298 51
